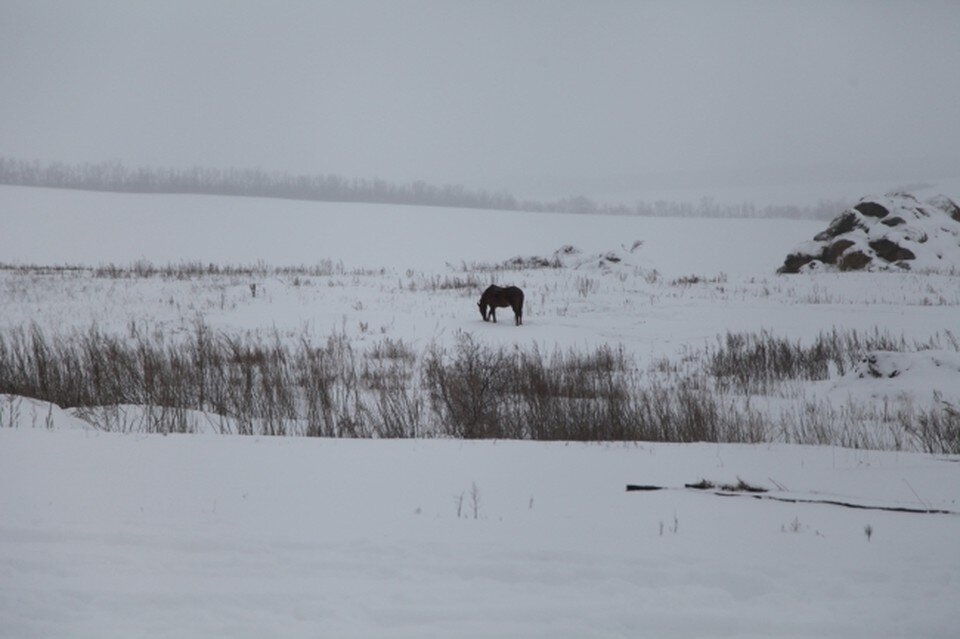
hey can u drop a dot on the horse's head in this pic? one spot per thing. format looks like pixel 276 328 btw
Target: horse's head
pixel 483 310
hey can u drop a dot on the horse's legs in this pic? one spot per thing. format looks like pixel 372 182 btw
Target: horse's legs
pixel 518 314
pixel 493 313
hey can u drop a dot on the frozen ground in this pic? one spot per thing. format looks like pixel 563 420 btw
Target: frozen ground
pixel 129 535
pixel 202 536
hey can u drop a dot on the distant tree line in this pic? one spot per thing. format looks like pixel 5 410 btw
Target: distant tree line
pixel 115 177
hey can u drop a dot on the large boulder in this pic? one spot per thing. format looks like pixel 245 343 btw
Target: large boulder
pixel 894 231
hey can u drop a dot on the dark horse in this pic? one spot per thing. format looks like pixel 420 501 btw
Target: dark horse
pixel 496 297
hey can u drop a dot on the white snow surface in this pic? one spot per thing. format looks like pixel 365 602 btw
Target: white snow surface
pixel 49 226
pixel 125 534
pixel 108 535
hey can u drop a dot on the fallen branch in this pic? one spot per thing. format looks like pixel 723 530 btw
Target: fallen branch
pixel 741 489
pixel 848 504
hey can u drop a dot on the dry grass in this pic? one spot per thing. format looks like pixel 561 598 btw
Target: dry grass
pixel 266 386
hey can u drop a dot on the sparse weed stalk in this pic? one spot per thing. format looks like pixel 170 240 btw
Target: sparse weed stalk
pixel 392 349
pixel 190 270
pixel 469 282
pixel 759 363
pixel 937 429
pixel 586 285
pixel 795 526
pixel 10 411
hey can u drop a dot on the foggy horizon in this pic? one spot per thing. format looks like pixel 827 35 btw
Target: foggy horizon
pixel 537 99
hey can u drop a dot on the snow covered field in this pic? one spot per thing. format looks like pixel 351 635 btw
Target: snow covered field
pixel 106 534
pixel 121 535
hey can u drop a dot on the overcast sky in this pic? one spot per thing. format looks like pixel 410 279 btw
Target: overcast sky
pixel 530 96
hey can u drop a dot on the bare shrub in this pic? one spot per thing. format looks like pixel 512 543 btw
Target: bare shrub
pixel 467 392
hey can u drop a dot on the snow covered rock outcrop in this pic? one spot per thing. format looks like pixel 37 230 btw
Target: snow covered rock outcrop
pixel 889 232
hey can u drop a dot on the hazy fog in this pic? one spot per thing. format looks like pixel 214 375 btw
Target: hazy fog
pixel 541 98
